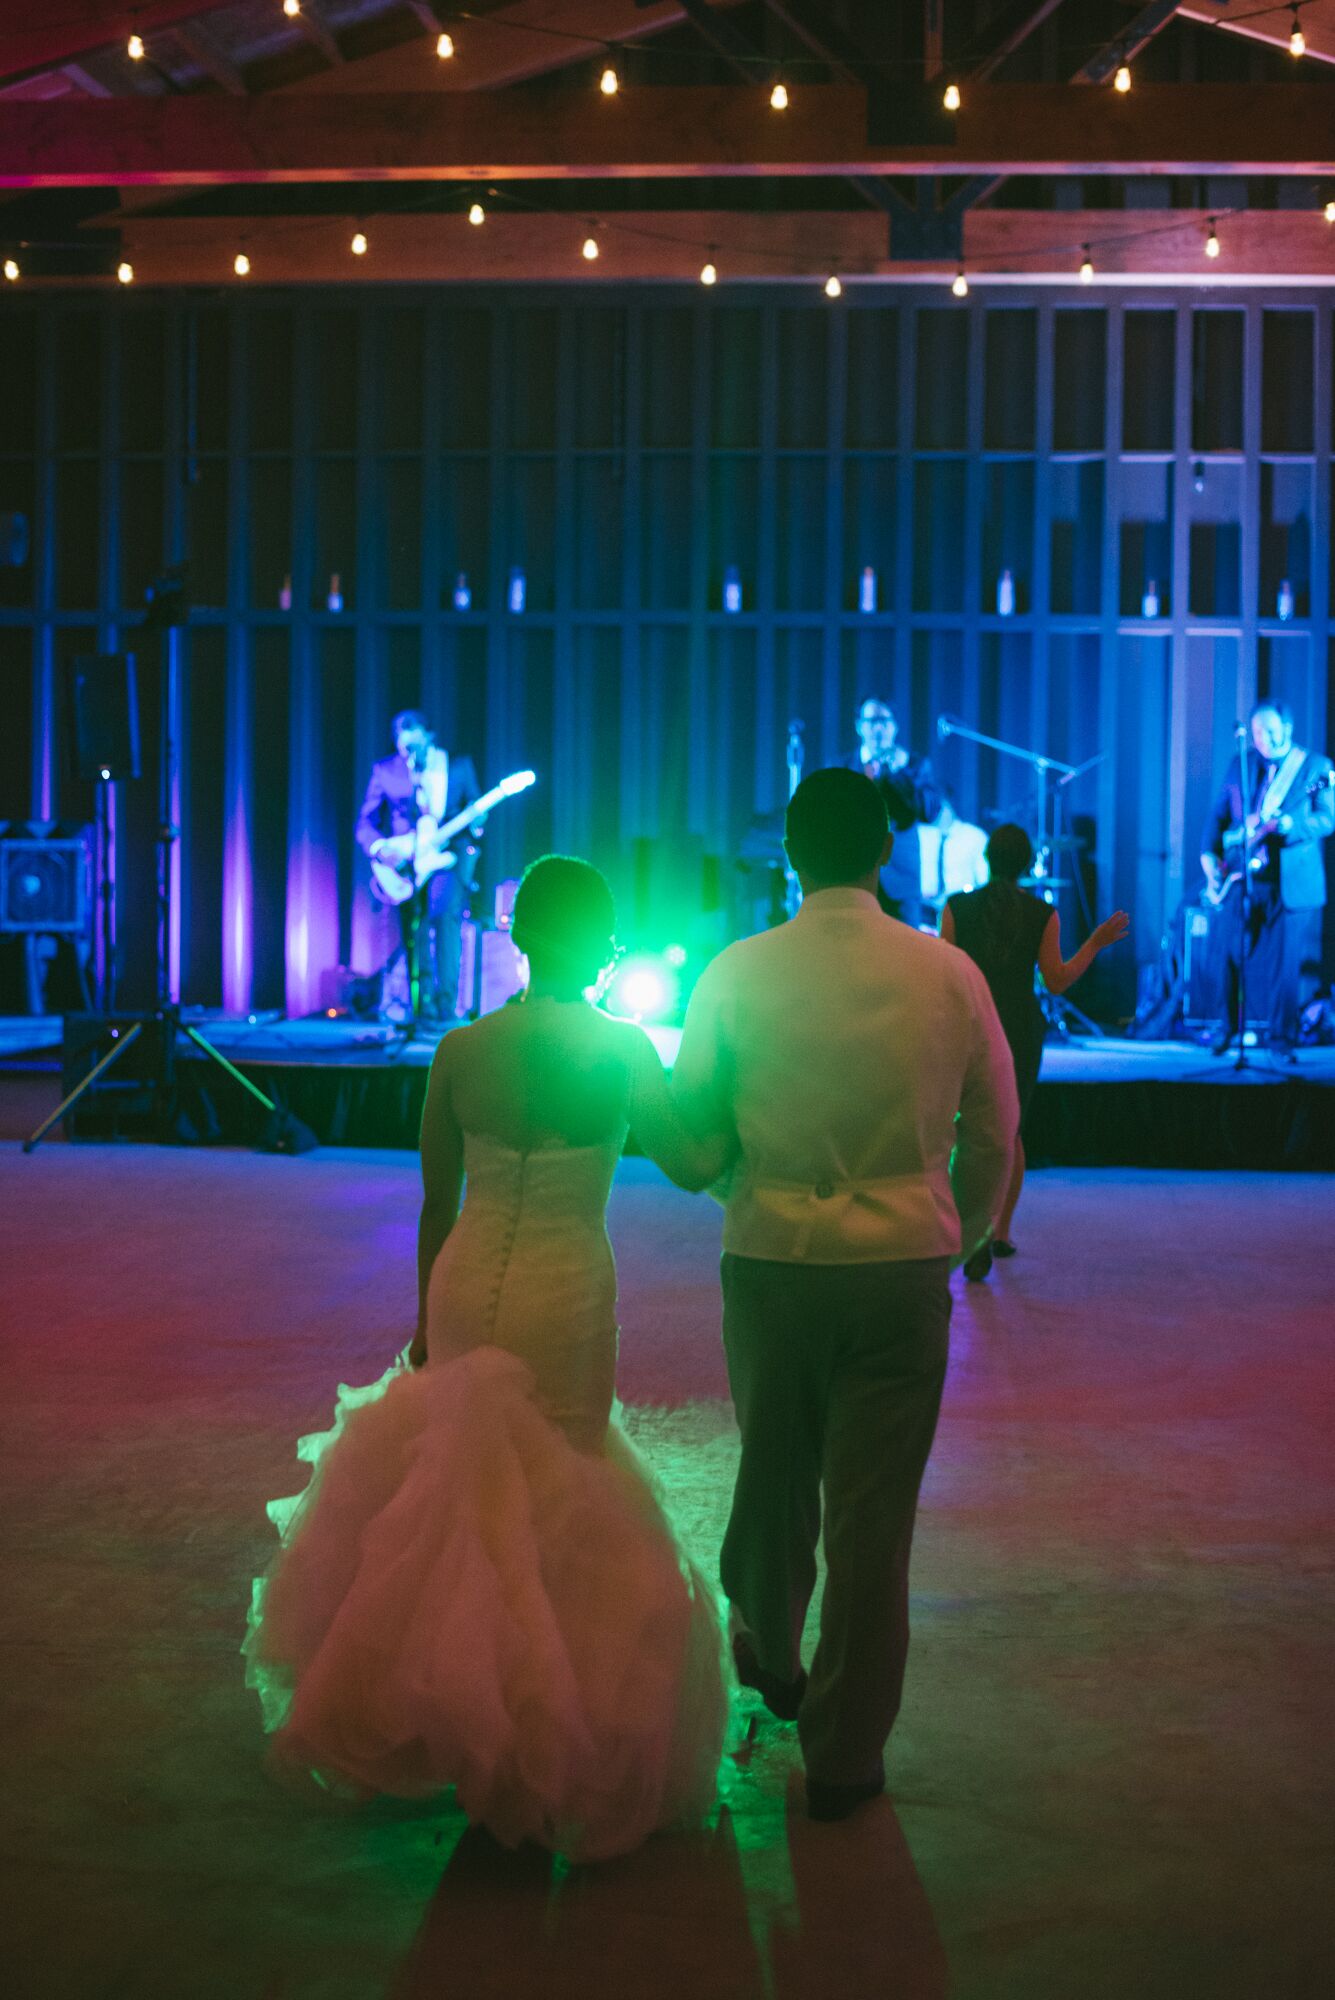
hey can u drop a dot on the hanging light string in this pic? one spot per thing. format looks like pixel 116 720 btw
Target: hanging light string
pixel 599 228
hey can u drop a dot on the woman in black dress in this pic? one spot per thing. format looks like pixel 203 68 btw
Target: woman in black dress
pixel 1008 933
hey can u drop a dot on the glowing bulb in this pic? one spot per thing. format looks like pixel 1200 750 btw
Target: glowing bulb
pixel 590 249
pixel 1329 211
pixel 951 100
pixel 241 264
pixel 477 215
pixel 1212 241
pixel 1087 268
pixel 134 48
pixel 708 273
pixel 609 82
pixel 833 288
pixel 292 8
pixel 1122 80
pixel 778 97
pixel 125 272
pixel 444 47
pixel 960 285
pixel 11 269
pixel 359 245
pixel 1297 39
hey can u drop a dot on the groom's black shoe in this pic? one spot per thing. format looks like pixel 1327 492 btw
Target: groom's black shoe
pixel 838 1801
pixel 781 1698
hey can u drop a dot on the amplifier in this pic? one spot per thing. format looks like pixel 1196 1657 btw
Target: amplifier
pixel 1202 967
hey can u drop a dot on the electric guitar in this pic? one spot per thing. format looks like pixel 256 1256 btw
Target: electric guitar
pixel 1242 847
pixel 406 861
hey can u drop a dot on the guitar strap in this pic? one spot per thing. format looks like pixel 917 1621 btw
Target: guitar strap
pixel 1272 799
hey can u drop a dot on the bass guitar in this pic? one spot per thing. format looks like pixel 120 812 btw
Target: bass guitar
pixel 1243 847
pixel 405 861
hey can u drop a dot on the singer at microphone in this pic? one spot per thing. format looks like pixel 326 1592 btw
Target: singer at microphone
pixel 912 797
pixel 1264 875
pixel 407 797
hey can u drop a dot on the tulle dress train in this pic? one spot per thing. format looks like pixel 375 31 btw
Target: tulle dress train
pixel 480 1586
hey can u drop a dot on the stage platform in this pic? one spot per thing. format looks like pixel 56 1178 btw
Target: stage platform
pixel 1100 1102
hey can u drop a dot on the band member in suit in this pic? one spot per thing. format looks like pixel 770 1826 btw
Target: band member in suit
pixel 418 787
pixel 912 797
pixel 1269 817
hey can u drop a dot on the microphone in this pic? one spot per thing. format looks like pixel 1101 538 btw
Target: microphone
pixel 944 727
pixel 1240 729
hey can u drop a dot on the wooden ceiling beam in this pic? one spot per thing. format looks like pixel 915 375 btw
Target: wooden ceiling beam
pixel 526 39
pixel 206 54
pixel 321 38
pixel 51 36
pixel 1161 129
pixel 1000 246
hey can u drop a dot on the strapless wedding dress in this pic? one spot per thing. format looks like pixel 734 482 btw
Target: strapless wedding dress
pixel 479 1586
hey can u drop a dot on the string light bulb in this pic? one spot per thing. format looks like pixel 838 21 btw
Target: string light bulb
pixel 951 99
pixel 11 270
pixel 125 272
pixel 778 97
pixel 241 264
pixel 359 245
pixel 477 214
pixel 1212 240
pixel 1329 211
pixel 589 249
pixel 292 8
pixel 609 82
pixel 444 46
pixel 709 272
pixel 1086 267
pixel 1122 78
pixel 960 284
pixel 1297 39
pixel 833 288
pixel 134 48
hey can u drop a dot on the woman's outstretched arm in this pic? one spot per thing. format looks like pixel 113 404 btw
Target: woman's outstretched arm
pixel 442 1147
pixel 692 1161
pixel 1058 972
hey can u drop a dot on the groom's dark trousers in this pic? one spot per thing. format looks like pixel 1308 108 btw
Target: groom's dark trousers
pixel 836 1373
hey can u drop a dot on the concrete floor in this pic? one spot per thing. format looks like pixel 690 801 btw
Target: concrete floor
pixel 1113 1772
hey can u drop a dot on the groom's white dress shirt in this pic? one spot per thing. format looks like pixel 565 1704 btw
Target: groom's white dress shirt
pixel 843 1045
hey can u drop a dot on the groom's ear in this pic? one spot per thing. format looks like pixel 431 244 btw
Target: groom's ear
pixel 888 848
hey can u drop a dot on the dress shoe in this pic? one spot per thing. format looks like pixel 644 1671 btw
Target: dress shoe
pixel 1281 1051
pixel 838 1801
pixel 1220 1043
pixel 782 1698
pixel 1002 1247
pixel 977 1266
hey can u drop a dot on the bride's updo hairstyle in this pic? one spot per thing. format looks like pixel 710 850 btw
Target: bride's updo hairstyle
pixel 564 918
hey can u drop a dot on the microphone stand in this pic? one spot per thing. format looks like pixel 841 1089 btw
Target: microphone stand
pixel 1245 904
pixel 1059 1011
pixel 796 757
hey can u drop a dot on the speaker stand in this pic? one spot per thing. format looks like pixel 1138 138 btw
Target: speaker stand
pixel 283 1133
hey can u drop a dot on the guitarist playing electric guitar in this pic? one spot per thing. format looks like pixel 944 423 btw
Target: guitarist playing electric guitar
pixel 1269 818
pixel 409 795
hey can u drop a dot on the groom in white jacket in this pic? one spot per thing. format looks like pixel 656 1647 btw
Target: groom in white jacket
pixel 873 1092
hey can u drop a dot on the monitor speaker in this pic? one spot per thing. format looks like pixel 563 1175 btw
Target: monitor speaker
pixel 103 713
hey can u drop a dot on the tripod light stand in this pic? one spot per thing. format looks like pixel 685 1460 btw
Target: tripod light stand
pixel 166 612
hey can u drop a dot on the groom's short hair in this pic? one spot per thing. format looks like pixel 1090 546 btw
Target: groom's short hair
pixel 835 826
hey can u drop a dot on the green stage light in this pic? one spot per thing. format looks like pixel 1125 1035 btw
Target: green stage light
pixel 643 989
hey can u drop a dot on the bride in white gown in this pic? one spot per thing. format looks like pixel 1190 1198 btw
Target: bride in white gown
pixel 479 1586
